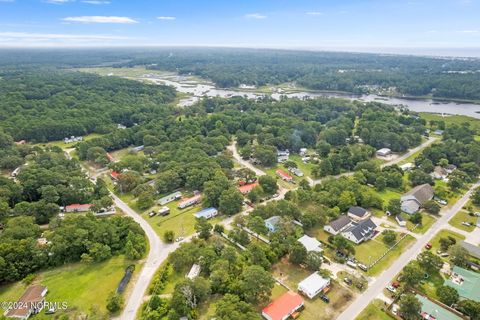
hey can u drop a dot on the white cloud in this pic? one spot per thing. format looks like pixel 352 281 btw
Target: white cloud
pixel 100 19
pixel 166 18
pixel 314 13
pixel 96 2
pixel 257 16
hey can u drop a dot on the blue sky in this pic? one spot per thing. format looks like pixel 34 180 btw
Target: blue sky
pixel 306 24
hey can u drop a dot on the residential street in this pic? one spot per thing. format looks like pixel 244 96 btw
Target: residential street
pixel 375 289
pixel 233 148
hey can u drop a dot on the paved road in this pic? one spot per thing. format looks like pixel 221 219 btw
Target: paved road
pixel 389 163
pixel 244 163
pixel 376 288
pixel 159 251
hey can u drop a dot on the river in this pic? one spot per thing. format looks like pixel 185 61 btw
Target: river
pixel 197 90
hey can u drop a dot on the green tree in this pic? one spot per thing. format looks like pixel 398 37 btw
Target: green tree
pixel 412 274
pixel 389 237
pixel 256 285
pixel 169 236
pixel 394 206
pixel 297 254
pixel 114 302
pixel 431 207
pixel 230 202
pixel 313 261
pixel 447 295
pixel 429 261
pixel 230 307
pixel 410 307
pixel 470 308
pixel 268 184
pixel 204 228
pixel 458 255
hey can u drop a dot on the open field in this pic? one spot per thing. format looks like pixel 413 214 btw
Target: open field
pixel 451 119
pixel 374 312
pixel 63 145
pixel 463 216
pixel 82 286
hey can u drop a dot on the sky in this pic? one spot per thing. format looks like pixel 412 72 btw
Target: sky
pixel 360 25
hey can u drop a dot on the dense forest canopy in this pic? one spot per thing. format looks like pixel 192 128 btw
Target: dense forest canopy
pixel 453 78
pixel 52 104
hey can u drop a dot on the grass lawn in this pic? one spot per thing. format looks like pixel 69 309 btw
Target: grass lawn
pixel 462 216
pixel 305 167
pixel 63 145
pixel 371 250
pixel 452 119
pixel 82 286
pixel 430 285
pixel 374 312
pixel 316 308
pixel 443 234
pixel 389 194
pixel 427 221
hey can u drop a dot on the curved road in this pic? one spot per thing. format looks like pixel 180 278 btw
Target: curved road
pixel 376 288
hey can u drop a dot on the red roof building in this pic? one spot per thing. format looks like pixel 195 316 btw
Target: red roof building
pixel 247 188
pixel 283 175
pixel 114 175
pixel 78 207
pixel 283 307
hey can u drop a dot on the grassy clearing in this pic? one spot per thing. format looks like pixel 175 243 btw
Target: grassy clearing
pixel 374 312
pixel 443 234
pixel 61 144
pixel 316 308
pixel 82 286
pixel 430 285
pixel 454 119
pixel 391 256
pixel 463 216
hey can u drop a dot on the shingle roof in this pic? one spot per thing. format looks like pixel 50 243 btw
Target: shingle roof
pixel 472 249
pixel 422 193
pixel 357 211
pixel 340 223
pixel 362 229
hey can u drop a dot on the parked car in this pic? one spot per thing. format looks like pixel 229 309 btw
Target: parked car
pixel 391 289
pixel 465 223
pixel 395 284
pixel 362 267
pixel 348 281
pixel 351 264
pixel 442 202
pixel 152 214
pixel 179 239
pixel 324 298
pixel 428 246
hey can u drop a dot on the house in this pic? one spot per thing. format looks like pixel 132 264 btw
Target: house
pixel 384 152
pixel 171 197
pixel 121 126
pixel 207 213
pixel 78 208
pixel 272 223
pixel 247 188
pixel 358 213
pixel 338 225
pixel 473 250
pixel 450 168
pixel 438 131
pixel 19 143
pixel 431 310
pixel 466 282
pixel 359 232
pixel 407 166
pixel 283 175
pixel 194 271
pixel 114 175
pixel 282 159
pixel 283 153
pixel 401 222
pixel 310 244
pixel 30 303
pixel 16 172
pixel 138 149
pixel 296 172
pixel 284 307
pixel 313 285
pixel 439 173
pixel 415 198
pixel 303 152
pixel 190 201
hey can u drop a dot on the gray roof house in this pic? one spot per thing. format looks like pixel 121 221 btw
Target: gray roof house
pixel 358 213
pixel 272 223
pixel 338 225
pixel 415 198
pixel 473 250
pixel 358 232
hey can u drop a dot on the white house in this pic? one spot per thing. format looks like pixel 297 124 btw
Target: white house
pixel 384 152
pixel 194 271
pixel 313 285
pixel 310 244
pixel 407 166
pixel 207 213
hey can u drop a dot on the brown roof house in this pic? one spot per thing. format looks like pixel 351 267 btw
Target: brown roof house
pixel 415 198
pixel 30 303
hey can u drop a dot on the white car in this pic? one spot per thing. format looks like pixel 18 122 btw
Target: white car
pixel 391 289
pixel 179 239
